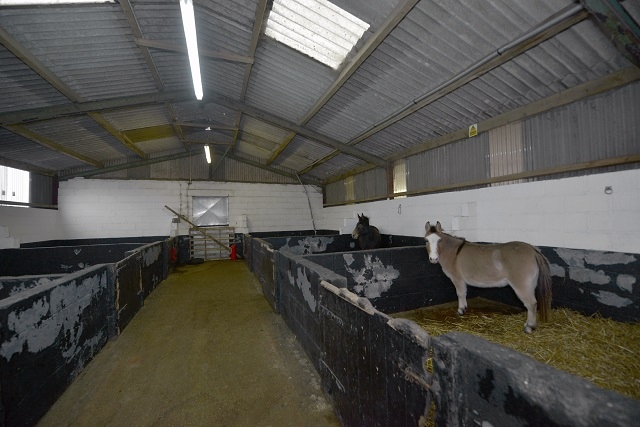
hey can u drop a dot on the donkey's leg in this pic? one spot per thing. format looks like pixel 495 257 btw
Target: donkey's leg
pixel 461 291
pixel 528 298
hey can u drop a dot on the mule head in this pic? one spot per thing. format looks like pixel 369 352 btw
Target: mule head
pixel 433 236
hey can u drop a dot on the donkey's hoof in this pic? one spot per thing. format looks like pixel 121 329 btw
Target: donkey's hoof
pixel 528 329
pixel 460 311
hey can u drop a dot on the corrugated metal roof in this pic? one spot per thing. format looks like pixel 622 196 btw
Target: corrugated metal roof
pixel 126 65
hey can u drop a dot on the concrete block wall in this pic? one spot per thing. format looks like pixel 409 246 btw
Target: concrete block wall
pixel 120 208
pixel 20 225
pixel 570 212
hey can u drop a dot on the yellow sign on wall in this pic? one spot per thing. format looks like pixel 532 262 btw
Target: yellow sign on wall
pixel 473 130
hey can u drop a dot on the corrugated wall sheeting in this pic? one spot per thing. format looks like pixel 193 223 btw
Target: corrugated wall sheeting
pixel 430 54
pixel 285 97
pixel 86 137
pixel 199 112
pixel 371 184
pixel 172 68
pixel 40 189
pixel 102 42
pixel 215 26
pixel 596 128
pixel 259 135
pixel 137 118
pixel 233 171
pixel 460 162
pixel 22 87
pixel 513 85
pixel 342 162
pixel 15 147
pixel 335 192
pixel 300 153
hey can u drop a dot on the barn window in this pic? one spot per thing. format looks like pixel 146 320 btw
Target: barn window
pixel 506 151
pixel 14 185
pixel 210 211
pixel 349 189
pixel 317 28
pixel 400 177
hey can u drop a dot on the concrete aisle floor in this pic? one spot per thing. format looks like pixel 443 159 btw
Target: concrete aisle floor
pixel 206 349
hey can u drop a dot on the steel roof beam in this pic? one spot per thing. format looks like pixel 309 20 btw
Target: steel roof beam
pixel 618 26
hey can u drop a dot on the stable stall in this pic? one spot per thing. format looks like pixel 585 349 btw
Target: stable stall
pixel 342 307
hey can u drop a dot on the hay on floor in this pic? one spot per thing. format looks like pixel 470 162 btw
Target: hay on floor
pixel 598 349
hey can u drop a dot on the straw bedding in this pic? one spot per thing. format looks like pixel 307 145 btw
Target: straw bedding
pixel 598 349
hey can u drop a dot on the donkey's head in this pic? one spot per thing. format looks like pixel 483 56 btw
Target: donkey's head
pixel 433 235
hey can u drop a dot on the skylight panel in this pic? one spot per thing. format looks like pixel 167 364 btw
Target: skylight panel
pixel 316 28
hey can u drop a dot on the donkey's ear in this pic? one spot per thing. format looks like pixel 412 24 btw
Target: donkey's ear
pixel 438 226
pixel 427 226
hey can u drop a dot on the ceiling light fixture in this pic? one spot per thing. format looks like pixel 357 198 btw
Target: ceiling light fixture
pixel 207 153
pixel 189 24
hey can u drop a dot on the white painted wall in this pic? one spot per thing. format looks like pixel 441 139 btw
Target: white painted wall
pixel 23 225
pixel 118 208
pixel 570 212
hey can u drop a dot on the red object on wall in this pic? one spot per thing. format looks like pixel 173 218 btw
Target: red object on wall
pixel 234 254
pixel 173 255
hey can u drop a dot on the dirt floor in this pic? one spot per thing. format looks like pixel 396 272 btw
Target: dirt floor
pixel 206 349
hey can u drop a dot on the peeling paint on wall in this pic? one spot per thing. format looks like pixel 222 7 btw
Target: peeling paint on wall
pixel 151 255
pixel 626 282
pixel 57 312
pixel 301 281
pixel 309 245
pixel 374 278
pixel 557 270
pixel 584 275
pixel 13 287
pixel 609 298
pixel 578 258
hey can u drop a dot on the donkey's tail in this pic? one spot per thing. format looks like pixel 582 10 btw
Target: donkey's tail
pixel 543 289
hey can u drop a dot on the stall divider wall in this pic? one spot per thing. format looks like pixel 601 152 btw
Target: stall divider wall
pixel 372 366
pixel 53 325
pixel 49 334
pixel 477 382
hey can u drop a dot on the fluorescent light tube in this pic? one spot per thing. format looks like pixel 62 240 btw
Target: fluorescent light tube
pixel 207 153
pixel 189 24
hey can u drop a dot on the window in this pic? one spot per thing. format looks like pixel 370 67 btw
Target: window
pixel 210 211
pixel 14 185
pixel 400 177
pixel 317 28
pixel 349 191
